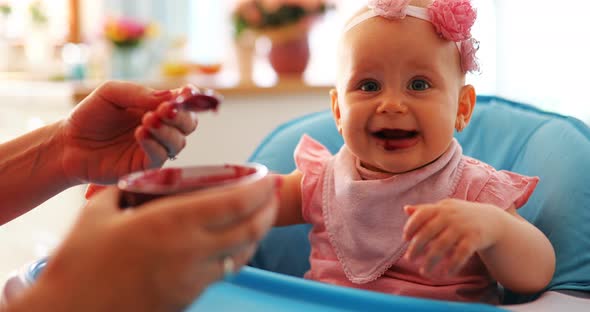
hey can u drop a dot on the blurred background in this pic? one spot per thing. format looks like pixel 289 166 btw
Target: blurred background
pixel 272 62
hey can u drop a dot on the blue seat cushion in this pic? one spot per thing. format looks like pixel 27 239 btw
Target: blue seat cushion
pixel 506 135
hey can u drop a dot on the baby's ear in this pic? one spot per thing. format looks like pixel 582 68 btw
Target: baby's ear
pixel 467 100
pixel 335 109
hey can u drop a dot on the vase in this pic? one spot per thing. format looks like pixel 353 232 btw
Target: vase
pixel 127 63
pixel 289 51
pixel 245 52
pixel 289 57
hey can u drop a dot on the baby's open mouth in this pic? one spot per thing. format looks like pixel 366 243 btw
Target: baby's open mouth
pixel 394 139
pixel 395 134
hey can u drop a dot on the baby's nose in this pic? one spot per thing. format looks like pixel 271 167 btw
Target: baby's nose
pixel 392 106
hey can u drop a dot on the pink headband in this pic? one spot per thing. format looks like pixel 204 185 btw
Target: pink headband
pixel 452 20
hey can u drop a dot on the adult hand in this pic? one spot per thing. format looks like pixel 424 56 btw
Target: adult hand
pixel 120 128
pixel 156 257
pixel 449 232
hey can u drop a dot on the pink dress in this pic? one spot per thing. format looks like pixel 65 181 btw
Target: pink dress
pixel 357 218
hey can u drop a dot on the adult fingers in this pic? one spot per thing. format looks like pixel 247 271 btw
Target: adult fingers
pixel 169 137
pixel 131 95
pixel 104 201
pixel 93 189
pixel 155 152
pixel 239 202
pixel 237 260
pixel 215 208
pixel 231 239
pixel 184 121
pixel 245 254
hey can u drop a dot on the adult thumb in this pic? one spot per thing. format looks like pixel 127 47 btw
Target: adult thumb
pixel 105 201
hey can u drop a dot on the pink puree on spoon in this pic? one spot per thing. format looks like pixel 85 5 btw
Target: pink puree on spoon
pixel 199 100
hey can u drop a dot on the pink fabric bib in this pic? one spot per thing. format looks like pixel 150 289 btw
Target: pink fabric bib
pixel 366 248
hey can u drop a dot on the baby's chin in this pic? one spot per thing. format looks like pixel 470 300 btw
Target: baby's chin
pixel 391 169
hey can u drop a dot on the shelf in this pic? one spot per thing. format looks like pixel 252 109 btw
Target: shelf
pixel 227 87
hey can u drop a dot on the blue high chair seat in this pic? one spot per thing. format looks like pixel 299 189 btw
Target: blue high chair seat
pixel 505 134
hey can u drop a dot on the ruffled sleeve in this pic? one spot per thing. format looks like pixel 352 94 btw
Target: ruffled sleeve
pixel 310 158
pixel 505 188
pixel 482 183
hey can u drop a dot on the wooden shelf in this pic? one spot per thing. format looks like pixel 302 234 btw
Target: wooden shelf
pixel 282 86
pixel 227 87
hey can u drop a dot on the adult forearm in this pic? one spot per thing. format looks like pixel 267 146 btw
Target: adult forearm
pixel 523 259
pixel 30 171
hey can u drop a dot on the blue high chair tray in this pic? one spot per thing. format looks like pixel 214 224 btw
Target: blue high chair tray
pixel 257 290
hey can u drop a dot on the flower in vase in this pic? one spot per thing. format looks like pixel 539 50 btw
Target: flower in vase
pixel 269 15
pixel 126 32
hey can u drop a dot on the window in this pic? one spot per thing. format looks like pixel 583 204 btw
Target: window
pixel 50 16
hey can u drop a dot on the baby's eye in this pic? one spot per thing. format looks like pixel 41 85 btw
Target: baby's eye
pixel 419 85
pixel 370 86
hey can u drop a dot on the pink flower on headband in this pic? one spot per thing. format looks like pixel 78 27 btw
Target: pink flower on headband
pixel 468 59
pixel 452 18
pixel 389 8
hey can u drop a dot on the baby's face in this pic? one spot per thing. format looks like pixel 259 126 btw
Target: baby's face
pixel 397 93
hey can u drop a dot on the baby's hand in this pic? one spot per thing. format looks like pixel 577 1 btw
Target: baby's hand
pixel 451 230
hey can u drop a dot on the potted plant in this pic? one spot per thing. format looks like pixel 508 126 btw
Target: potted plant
pixel 286 23
pixel 126 36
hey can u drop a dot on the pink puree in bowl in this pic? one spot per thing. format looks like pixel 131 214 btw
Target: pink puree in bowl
pixel 144 186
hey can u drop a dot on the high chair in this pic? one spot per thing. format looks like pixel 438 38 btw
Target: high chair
pixel 505 134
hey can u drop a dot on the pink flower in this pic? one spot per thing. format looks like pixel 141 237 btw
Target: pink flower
pixel 251 14
pixel 468 59
pixel 452 18
pixel 389 8
pixel 132 28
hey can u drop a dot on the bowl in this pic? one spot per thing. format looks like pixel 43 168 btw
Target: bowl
pixel 143 186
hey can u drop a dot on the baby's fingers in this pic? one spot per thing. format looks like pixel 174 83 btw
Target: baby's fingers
pixel 429 231
pixel 419 218
pixel 463 251
pixel 438 249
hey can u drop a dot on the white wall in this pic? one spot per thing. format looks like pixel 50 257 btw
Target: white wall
pixel 241 123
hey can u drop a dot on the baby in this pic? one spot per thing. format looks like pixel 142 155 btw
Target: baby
pixel 399 209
